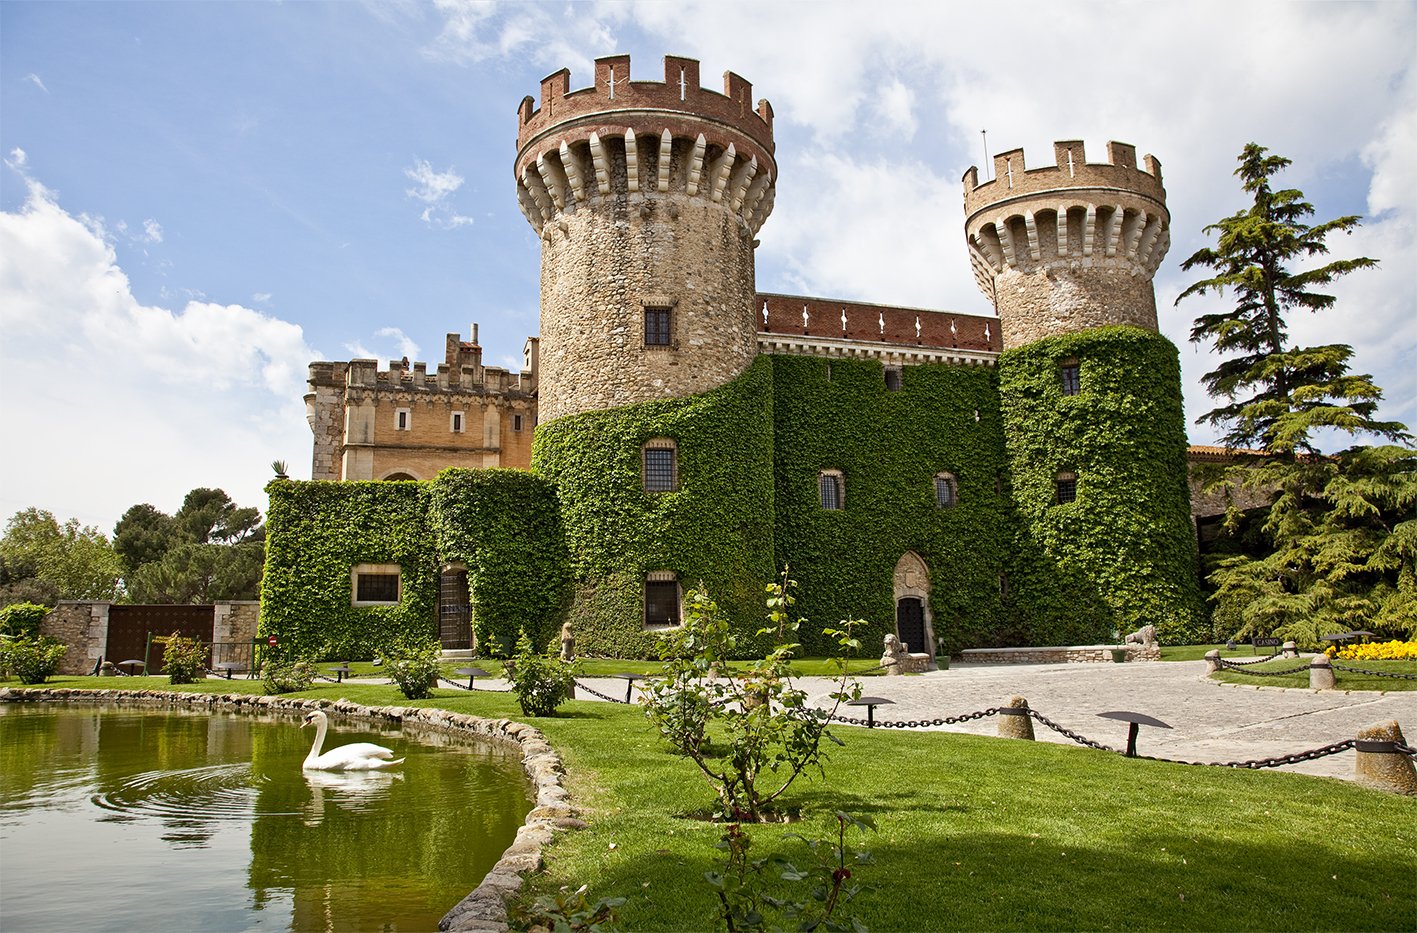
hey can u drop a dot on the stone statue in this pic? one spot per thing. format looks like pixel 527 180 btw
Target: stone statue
pixel 894 656
pixel 568 643
pixel 1145 636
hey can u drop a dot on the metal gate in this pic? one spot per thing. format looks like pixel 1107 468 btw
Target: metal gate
pixel 454 611
pixel 130 626
pixel 910 623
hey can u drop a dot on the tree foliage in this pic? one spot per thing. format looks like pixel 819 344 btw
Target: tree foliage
pixel 44 561
pixel 211 549
pixel 1341 527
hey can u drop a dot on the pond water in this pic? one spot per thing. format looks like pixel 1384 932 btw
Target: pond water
pixel 124 819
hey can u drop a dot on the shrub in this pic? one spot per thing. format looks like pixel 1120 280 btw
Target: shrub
pixel 287 677
pixel 541 682
pixel 185 659
pixel 22 619
pixel 1377 651
pixel 414 668
pixel 763 718
pixel 32 660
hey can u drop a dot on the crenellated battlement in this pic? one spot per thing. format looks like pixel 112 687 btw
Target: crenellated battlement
pixel 621 137
pixel 1070 171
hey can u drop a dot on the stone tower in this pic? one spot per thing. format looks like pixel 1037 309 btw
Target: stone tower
pixel 647 196
pixel 1068 247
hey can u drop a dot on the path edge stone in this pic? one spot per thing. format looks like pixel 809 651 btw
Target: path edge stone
pixel 484 910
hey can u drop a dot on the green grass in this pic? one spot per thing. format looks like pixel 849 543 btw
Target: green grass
pixel 1344 679
pixel 605 667
pixel 974 833
pixel 1197 652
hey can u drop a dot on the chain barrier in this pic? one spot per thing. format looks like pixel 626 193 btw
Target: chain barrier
pixel 1312 754
pixel 1404 749
pixel 1228 666
pixel 1076 737
pixel 596 693
pixel 1249 661
pixel 463 686
pixel 1363 670
pixel 920 723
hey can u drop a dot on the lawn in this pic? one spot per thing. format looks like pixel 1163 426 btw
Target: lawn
pixel 1345 679
pixel 609 667
pixel 974 833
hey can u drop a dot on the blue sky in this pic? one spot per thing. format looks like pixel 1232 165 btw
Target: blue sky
pixel 200 198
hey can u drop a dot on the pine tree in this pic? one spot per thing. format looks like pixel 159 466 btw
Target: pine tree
pixel 1342 526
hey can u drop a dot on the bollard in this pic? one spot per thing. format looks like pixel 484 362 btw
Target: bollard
pixel 1379 764
pixel 1290 650
pixel 1014 721
pixel 1212 660
pixel 1321 673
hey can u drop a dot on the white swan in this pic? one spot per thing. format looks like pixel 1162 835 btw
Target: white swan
pixel 358 756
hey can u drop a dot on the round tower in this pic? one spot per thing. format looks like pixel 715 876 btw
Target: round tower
pixel 1068 247
pixel 647 196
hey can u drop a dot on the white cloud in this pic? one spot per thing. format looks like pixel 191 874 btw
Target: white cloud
pixel 434 188
pixel 17 158
pixel 153 400
pixel 152 231
pixel 34 79
pixel 261 298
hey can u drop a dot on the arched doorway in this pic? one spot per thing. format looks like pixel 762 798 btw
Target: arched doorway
pixel 913 623
pixel 454 609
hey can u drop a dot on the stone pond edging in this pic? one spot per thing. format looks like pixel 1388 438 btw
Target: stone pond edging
pixel 485 909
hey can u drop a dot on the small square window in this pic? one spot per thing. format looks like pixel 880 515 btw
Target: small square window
pixel 457 422
pixel 402 419
pixel 1067 486
pixel 375 584
pixel 893 379
pixel 661 600
pixel 657 327
pixel 516 422
pixel 831 490
pixel 1071 378
pixel 661 467
pixel 946 491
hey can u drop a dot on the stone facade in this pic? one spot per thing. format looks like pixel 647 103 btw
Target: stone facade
pixel 235 622
pixel 1074 654
pixel 83 626
pixel 406 423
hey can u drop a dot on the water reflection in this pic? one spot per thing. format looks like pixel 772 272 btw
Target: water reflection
pixel 93 803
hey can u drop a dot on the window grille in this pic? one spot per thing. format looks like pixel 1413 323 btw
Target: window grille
pixel 657 327
pixel 829 487
pixel 661 472
pixel 661 600
pixel 376 587
pixel 1071 377
pixel 893 380
pixel 946 491
pixel 1067 487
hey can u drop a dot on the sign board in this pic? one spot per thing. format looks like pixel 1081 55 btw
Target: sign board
pixel 272 641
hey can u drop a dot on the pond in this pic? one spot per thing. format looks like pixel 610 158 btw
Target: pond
pixel 115 818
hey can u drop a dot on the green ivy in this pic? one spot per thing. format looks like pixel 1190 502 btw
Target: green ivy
pixel 717 528
pixel 889 445
pixel 1123 554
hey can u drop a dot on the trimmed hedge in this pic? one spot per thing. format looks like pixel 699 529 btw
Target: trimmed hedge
pixel 717 528
pixel 1123 554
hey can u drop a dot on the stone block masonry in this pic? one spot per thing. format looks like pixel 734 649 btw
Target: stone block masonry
pixel 1074 654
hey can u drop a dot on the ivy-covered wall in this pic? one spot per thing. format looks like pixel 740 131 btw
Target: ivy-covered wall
pixel 889 445
pixel 503 525
pixel 315 533
pixel 717 528
pixel 1123 554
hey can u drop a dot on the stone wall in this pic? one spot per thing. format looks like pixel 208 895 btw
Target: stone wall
pixel 235 622
pixel 83 626
pixel 1074 654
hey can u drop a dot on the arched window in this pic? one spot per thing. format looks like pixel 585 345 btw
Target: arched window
pixel 1067 487
pixel 831 490
pixel 399 476
pixel 946 491
pixel 660 465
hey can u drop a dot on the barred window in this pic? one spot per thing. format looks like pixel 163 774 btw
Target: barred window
pixel 661 599
pixel 893 379
pixel 946 491
pixel 657 327
pixel 375 584
pixel 1067 484
pixel 661 466
pixel 1071 377
pixel 831 488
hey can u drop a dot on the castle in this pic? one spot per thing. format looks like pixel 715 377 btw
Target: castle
pixel 964 479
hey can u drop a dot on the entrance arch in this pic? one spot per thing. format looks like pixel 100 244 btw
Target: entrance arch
pixel 914 625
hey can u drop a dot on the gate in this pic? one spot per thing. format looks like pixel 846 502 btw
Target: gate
pixel 130 626
pixel 910 624
pixel 454 611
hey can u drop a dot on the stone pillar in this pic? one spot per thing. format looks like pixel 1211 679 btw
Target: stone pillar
pixel 1321 673
pixel 1290 650
pixel 1212 660
pixel 1381 766
pixel 1014 721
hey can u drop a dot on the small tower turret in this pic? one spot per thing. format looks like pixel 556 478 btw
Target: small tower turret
pixel 1068 247
pixel 647 196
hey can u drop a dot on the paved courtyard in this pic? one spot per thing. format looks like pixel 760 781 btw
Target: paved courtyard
pixel 1210 721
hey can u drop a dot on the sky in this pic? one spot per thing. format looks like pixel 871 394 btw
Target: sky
pixel 201 198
